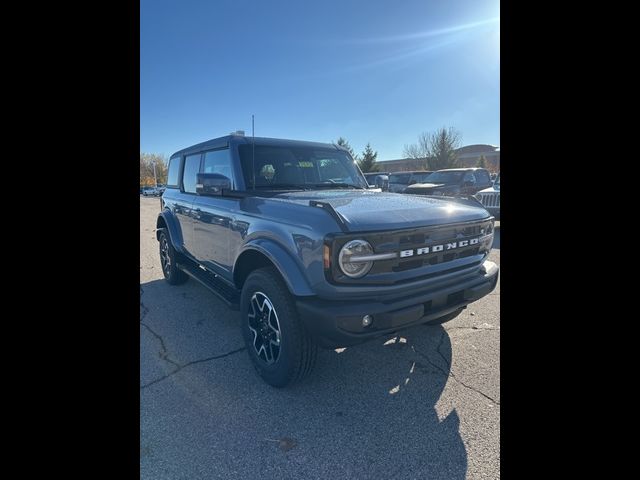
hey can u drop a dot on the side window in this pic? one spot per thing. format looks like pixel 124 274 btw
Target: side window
pixel 469 177
pixel 483 176
pixel 191 168
pixel 219 161
pixel 174 172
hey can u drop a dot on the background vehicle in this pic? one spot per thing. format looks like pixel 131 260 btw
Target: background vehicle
pixel 399 181
pixel 150 191
pixel 453 181
pixel 490 198
pixel 288 233
pixel 378 180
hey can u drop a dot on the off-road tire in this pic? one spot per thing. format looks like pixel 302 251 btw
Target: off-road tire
pixel 296 350
pixel 172 274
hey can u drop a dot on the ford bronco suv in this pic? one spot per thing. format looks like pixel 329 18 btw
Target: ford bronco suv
pixel 288 233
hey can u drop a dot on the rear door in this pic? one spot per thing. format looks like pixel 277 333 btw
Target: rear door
pixel 184 204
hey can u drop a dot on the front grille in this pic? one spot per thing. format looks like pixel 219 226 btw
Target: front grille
pixel 490 199
pixel 412 240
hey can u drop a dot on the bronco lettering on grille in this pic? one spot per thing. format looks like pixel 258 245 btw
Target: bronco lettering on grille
pixel 438 248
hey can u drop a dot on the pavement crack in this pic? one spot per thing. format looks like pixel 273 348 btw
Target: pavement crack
pixel 143 308
pixel 180 367
pixel 164 353
pixel 449 373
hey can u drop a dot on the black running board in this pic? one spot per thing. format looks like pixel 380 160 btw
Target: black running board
pixel 224 291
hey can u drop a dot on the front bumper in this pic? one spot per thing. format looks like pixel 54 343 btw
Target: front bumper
pixel 339 323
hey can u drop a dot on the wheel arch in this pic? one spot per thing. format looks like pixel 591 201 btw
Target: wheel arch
pixel 266 254
pixel 166 221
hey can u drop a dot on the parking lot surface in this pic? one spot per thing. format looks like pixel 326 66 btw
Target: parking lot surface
pixel 422 404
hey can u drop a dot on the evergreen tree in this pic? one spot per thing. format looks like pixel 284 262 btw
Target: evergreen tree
pixel 367 161
pixel 344 143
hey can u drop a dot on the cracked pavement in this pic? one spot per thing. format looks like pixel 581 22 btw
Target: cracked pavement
pixel 424 403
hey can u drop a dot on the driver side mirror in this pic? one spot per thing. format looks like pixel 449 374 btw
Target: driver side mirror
pixel 212 184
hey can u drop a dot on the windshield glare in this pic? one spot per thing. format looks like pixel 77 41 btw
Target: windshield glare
pixel 306 167
pixel 446 177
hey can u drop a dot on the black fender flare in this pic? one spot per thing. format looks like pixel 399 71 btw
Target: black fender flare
pixel 292 274
pixel 172 227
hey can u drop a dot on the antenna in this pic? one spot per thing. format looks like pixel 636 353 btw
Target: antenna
pixel 253 152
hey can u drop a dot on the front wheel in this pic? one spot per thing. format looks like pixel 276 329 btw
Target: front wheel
pixel 279 346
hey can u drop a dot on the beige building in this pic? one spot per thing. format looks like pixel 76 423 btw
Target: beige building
pixel 468 156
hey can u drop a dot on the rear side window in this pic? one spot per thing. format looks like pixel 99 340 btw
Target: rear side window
pixel 191 169
pixel 483 176
pixel 174 172
pixel 219 161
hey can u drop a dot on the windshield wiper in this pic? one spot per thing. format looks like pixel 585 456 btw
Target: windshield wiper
pixel 335 185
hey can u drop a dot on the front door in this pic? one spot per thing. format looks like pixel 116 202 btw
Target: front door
pixel 213 216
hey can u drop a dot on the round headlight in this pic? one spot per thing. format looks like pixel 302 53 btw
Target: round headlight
pixel 348 259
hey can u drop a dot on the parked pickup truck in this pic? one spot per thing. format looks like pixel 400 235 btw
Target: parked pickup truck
pixel 288 233
pixel 453 181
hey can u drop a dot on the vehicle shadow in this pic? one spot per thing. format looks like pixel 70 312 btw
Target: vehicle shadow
pixel 365 411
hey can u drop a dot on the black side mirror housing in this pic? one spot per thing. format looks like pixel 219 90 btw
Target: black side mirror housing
pixel 212 184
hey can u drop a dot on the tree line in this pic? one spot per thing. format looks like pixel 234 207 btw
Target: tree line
pixel 147 161
pixel 433 151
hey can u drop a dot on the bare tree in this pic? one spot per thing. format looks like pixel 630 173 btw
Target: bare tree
pixel 437 150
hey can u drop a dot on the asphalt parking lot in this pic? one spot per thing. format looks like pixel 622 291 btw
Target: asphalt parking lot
pixel 423 404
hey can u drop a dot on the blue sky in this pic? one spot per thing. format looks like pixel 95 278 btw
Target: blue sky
pixel 370 71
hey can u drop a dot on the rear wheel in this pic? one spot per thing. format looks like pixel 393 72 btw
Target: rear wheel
pixel 279 346
pixel 172 273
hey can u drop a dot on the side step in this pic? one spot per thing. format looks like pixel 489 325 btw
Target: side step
pixel 227 293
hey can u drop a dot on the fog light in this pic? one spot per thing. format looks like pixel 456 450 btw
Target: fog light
pixel 366 320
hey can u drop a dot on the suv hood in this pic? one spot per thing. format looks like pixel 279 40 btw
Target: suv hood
pixel 364 210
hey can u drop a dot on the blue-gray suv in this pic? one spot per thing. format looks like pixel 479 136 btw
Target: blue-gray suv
pixel 288 233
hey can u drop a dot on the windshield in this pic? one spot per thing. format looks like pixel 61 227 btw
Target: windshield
pixel 446 177
pixel 402 178
pixel 298 167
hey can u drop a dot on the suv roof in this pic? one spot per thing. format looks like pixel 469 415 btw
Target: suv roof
pixel 232 140
pixel 412 172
